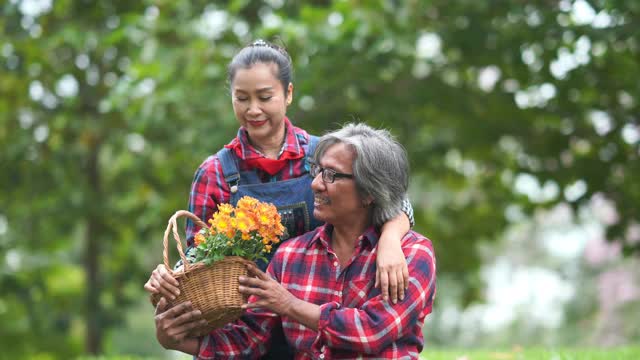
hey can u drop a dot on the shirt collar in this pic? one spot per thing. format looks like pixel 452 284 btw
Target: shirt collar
pixel 322 237
pixel 243 148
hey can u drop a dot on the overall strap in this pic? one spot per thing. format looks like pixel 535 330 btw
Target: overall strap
pixel 313 142
pixel 229 167
pixel 308 155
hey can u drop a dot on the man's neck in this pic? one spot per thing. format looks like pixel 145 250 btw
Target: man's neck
pixel 345 236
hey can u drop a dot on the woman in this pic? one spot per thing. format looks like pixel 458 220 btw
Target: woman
pixel 269 160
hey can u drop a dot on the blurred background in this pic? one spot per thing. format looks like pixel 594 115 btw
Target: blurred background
pixel 520 119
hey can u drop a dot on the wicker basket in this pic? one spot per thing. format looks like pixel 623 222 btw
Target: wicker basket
pixel 211 289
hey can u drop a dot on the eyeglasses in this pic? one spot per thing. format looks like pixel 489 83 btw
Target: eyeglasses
pixel 328 175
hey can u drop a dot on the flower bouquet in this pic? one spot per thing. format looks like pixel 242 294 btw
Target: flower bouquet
pixel 236 236
pixel 248 230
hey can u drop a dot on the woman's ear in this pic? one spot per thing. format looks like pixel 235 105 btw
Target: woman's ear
pixel 289 94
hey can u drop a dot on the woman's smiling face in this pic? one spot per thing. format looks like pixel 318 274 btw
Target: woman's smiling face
pixel 260 102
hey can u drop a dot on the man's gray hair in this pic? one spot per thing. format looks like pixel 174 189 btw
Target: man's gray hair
pixel 380 167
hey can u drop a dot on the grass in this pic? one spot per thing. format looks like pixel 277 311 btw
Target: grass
pixel 624 353
pixel 517 353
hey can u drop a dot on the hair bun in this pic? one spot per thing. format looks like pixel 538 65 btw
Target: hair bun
pixel 260 42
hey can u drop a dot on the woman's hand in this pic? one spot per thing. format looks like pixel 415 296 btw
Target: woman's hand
pixel 271 295
pixel 392 274
pixel 173 324
pixel 162 282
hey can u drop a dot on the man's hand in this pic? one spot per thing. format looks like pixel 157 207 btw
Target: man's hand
pixel 271 295
pixel 174 323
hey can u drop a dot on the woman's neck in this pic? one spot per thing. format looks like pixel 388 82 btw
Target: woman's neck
pixel 270 148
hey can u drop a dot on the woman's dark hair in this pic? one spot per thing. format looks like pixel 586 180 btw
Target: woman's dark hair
pixel 264 52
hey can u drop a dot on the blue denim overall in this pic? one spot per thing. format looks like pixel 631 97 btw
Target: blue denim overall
pixel 294 200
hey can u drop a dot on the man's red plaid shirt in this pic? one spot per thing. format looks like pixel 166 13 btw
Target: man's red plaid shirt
pixel 355 322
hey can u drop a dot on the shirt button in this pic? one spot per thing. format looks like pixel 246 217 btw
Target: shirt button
pixel 335 263
pixel 321 356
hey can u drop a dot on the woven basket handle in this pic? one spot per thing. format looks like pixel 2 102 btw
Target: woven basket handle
pixel 173 225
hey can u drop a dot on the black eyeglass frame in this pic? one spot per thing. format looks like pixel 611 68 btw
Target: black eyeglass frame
pixel 328 175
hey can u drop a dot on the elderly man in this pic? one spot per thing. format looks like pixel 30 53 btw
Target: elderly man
pixel 319 286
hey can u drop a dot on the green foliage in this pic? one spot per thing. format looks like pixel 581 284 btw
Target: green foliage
pixel 217 248
pixel 107 108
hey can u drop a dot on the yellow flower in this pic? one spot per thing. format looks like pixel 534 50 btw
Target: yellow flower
pixel 242 225
pixel 264 219
pixel 225 209
pixel 222 224
pixel 241 214
pixel 265 214
pixel 246 236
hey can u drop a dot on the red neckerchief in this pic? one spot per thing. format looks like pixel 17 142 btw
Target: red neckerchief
pixel 272 166
pixel 256 160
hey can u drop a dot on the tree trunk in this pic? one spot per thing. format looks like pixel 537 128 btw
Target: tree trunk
pixel 92 266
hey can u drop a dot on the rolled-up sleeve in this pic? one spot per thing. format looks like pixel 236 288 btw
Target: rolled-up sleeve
pixel 247 338
pixel 408 210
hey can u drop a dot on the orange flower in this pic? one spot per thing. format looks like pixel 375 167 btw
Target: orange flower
pixel 199 239
pixel 251 223
pixel 247 203
pixel 251 228
pixel 276 239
